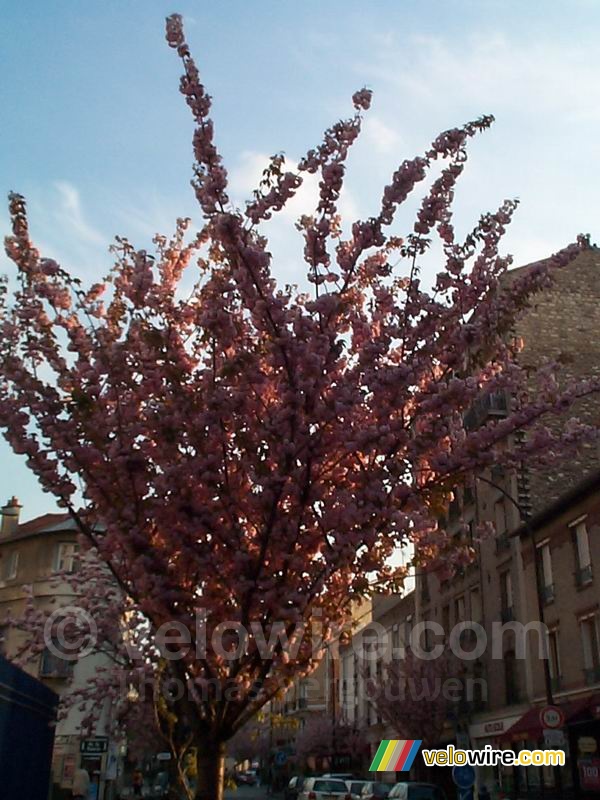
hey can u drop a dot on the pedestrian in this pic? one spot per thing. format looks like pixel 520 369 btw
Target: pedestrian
pixel 137 782
pixel 81 784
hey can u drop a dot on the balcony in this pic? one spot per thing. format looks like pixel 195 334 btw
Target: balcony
pixel 492 404
pixel 592 675
pixel 584 576
pixel 547 594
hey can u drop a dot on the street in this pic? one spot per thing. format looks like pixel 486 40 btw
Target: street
pixel 248 793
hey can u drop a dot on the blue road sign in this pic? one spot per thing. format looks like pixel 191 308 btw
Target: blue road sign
pixel 463 777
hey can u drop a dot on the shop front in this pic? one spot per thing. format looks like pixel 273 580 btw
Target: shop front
pixel 486 733
pixel 578 735
pixel 584 745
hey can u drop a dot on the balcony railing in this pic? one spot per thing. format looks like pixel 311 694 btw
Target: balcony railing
pixel 491 404
pixel 584 576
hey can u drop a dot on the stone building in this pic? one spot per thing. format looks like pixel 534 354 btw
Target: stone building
pixel 537 568
pixel 500 590
pixel 31 555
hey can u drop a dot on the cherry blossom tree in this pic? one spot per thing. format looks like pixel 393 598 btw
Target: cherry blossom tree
pixel 410 696
pixel 252 454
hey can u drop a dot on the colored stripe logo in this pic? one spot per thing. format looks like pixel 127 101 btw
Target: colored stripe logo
pixel 395 755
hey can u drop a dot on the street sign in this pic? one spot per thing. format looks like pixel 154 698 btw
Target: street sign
pixel 281 758
pixel 552 717
pixel 554 737
pixel 163 756
pixel 94 747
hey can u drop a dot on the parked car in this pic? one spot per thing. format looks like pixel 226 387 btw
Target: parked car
pixel 247 778
pixel 375 790
pixel 294 787
pixel 355 788
pixel 416 791
pixel 343 776
pixel 160 786
pixel 324 789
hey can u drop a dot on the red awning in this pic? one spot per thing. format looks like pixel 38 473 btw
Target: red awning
pixel 530 726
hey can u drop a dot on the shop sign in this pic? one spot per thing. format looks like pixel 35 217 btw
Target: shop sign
pixel 94 747
pixel 492 728
pixel 68 771
pixel 589 773
pixel 587 744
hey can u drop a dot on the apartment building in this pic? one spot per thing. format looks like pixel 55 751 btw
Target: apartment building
pixel 537 567
pixel 31 555
pixel 501 589
pixel 363 658
pixel 560 550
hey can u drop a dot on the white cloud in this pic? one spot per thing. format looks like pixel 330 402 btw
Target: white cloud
pixel 384 138
pixel 491 70
pixel 70 216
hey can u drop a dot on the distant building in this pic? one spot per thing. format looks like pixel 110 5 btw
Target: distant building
pixel 31 555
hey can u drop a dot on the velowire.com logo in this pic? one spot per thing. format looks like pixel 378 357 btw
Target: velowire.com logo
pixel 395 755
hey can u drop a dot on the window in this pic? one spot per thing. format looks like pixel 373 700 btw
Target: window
pixel 591 650
pixel 424 589
pixel 3 639
pixel 502 541
pixel 408 627
pixel 476 610
pixel 53 666
pixel 67 557
pixel 583 573
pixel 511 678
pixel 544 559
pixel 506 596
pixel 459 609
pixel 9 566
pixel 454 508
pixel 554 659
pixel 468 496
pixel 446 620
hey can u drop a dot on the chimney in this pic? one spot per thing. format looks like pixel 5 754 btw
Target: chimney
pixel 10 517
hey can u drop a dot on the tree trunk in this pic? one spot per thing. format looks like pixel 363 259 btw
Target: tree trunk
pixel 211 770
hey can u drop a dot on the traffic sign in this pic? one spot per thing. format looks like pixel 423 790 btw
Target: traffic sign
pixel 281 758
pixel 554 737
pixel 552 717
pixel 463 777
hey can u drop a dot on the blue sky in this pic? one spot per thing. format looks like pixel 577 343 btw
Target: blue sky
pixel 97 137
